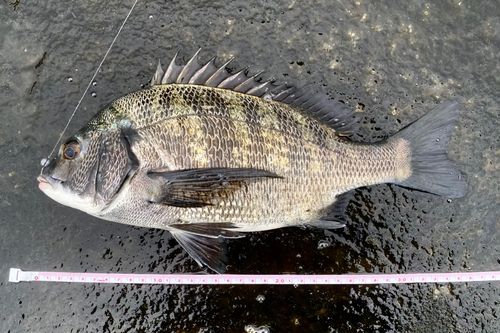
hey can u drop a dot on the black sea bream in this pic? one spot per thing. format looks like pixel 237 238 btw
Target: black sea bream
pixel 208 155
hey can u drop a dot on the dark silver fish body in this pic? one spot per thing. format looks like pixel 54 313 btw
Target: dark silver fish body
pixel 242 131
pixel 204 154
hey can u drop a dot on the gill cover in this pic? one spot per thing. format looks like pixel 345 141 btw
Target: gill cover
pixel 90 169
pixel 116 163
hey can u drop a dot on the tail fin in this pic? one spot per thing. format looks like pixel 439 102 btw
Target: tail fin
pixel 428 139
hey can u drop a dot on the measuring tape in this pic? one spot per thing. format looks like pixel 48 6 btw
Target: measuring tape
pixel 17 275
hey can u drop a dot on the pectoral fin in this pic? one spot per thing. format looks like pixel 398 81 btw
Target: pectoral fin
pixel 206 243
pixel 200 187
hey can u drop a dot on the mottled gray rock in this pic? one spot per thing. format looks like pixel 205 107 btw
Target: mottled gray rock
pixel 391 60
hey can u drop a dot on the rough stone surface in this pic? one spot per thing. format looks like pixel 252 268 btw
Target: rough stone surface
pixel 391 60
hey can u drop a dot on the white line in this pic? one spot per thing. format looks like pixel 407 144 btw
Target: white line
pixel 44 164
pixel 17 275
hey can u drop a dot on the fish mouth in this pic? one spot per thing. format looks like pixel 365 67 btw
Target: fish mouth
pixel 44 183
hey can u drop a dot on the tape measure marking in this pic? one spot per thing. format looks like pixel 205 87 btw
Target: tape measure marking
pixel 17 275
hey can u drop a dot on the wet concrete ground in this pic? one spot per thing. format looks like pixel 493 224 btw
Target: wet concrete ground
pixel 391 60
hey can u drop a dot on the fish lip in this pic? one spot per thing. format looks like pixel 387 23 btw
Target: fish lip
pixel 42 179
pixel 46 182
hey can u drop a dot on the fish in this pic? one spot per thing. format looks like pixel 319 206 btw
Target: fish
pixel 210 155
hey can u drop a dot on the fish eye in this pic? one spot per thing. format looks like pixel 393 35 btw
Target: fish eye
pixel 71 150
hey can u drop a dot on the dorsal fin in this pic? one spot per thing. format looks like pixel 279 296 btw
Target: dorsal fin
pixel 191 68
pixel 319 106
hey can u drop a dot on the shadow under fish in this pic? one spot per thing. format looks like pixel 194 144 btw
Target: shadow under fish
pixel 209 155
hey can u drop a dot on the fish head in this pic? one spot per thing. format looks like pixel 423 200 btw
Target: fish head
pixel 88 171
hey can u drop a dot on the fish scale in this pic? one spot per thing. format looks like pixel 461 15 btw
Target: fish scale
pixel 288 145
pixel 209 155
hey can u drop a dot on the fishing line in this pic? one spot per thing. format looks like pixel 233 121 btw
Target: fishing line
pixel 45 162
pixel 17 275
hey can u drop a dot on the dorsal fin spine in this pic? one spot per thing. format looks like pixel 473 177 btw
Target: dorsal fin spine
pixel 248 84
pixel 219 75
pixel 332 113
pixel 202 75
pixel 261 89
pixel 234 80
pixel 158 75
pixel 189 69
pixel 172 71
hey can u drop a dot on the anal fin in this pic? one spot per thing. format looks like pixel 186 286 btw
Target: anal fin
pixel 326 224
pixel 205 242
pixel 335 218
